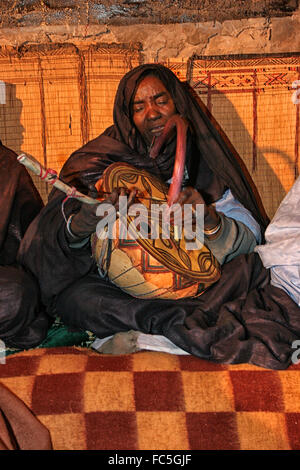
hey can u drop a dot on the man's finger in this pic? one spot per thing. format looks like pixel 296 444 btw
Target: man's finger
pixel 114 196
pixel 132 196
pixel 93 192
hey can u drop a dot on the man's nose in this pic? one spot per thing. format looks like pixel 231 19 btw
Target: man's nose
pixel 153 112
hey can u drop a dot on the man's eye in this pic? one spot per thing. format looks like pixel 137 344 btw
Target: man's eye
pixel 137 109
pixel 162 102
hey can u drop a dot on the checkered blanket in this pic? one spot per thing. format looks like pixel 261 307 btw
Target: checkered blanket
pixel 155 401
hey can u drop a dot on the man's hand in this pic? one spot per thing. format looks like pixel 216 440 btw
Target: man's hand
pixel 84 223
pixel 191 196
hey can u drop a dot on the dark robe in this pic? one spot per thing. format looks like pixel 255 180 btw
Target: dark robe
pixel 23 322
pixel 20 202
pixel 241 318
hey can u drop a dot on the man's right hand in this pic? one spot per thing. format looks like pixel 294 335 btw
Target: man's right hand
pixel 84 223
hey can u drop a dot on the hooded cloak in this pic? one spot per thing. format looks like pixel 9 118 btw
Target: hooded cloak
pixel 241 318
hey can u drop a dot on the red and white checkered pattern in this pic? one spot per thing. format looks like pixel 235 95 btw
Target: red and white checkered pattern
pixel 155 401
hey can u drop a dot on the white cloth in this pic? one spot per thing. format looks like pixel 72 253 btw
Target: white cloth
pixel 281 253
pixel 148 342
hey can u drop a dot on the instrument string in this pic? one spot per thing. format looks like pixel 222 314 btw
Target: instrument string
pixel 156 166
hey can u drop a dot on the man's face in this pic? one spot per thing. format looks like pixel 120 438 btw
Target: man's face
pixel 152 107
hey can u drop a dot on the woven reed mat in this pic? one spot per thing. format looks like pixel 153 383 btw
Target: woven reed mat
pixel 251 99
pixel 58 98
pixel 155 401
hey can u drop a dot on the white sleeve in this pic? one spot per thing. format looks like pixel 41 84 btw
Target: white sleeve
pixel 232 208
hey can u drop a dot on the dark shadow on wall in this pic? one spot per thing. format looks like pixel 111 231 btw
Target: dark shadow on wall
pixel 12 130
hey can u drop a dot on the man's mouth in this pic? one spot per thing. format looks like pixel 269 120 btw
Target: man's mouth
pixel 157 130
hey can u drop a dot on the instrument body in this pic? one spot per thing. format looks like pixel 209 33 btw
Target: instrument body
pixel 146 267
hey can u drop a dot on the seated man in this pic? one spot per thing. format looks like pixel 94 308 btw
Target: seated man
pixel 59 254
pixel 23 323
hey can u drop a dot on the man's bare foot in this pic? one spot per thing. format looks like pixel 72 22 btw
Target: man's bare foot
pixel 121 343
